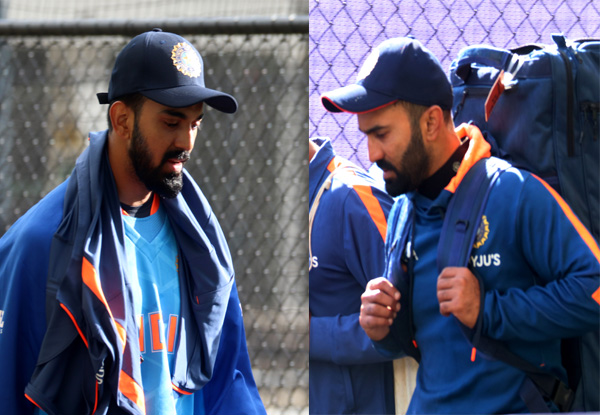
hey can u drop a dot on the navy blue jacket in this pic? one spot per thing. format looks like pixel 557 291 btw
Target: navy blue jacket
pixel 80 327
pixel 540 277
pixel 348 237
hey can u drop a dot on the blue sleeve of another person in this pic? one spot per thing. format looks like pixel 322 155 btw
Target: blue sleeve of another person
pixel 339 338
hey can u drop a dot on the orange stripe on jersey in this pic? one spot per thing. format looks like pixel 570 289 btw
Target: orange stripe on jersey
pixel 132 391
pixel 64 307
pixel 181 390
pixel 155 204
pixel 373 207
pixel 155 332
pixel 172 332
pixel 581 230
pixel 141 330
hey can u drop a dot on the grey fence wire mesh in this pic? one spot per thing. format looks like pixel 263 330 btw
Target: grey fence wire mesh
pixel 251 165
pixel 146 9
pixel 343 32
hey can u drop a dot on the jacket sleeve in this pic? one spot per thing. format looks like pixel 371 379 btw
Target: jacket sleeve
pixel 24 253
pixel 340 339
pixel 395 344
pixel 232 389
pixel 565 258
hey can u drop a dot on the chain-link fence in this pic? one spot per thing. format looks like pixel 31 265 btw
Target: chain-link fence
pixel 342 33
pixel 252 166
pixel 146 9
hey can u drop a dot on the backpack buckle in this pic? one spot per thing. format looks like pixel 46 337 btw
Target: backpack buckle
pixel 562 396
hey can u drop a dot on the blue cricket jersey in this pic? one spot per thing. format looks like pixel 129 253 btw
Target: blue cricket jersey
pixel 153 264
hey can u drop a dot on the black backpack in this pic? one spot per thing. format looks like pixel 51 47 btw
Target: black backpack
pixel 546 120
pixel 543 118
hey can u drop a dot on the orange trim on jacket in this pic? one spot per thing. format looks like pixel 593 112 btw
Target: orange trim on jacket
pixel 366 196
pixel 373 207
pixel 478 149
pixel 32 401
pixel 583 232
pixel 64 307
pixel 579 227
pixel 92 281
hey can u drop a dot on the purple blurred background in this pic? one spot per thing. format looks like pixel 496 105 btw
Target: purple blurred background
pixel 342 32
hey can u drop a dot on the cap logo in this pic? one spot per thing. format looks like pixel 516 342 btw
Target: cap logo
pixel 369 65
pixel 186 60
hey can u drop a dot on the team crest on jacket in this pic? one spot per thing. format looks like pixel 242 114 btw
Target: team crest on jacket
pixel 483 232
pixel 186 60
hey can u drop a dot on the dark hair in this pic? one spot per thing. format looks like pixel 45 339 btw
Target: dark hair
pixel 134 101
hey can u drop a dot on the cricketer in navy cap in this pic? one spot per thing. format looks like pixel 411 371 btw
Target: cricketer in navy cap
pixel 167 69
pixel 397 69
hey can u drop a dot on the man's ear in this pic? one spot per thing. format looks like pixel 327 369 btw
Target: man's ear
pixel 122 119
pixel 432 122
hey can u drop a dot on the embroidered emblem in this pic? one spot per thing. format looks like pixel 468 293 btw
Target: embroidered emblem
pixel 186 60
pixel 368 66
pixel 482 233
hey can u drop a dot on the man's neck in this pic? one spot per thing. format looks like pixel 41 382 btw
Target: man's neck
pixel 132 192
pixel 434 184
pixel 141 211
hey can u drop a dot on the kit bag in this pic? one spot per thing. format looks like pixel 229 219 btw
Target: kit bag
pixel 538 106
pixel 542 116
pixel 456 241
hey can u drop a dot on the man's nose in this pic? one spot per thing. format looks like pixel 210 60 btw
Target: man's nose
pixel 185 140
pixel 375 153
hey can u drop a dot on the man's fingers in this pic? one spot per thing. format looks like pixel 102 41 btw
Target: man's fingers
pixel 384 285
pixel 377 310
pixel 446 308
pixel 380 300
pixel 444 295
pixel 372 322
pixel 379 305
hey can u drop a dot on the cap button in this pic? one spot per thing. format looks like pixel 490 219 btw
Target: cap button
pixel 157 29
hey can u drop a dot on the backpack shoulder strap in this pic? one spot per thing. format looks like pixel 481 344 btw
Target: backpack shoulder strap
pixel 315 205
pixel 456 241
pixel 400 229
pixel 465 210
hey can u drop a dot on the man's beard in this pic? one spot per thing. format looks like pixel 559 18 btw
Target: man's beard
pixel 164 184
pixel 414 166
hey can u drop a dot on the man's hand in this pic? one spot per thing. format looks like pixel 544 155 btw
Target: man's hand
pixel 459 294
pixel 380 303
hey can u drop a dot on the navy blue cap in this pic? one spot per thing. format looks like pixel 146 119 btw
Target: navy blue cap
pixel 167 69
pixel 397 69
